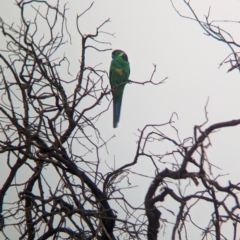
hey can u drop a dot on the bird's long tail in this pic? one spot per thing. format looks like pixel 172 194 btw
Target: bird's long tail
pixel 116 111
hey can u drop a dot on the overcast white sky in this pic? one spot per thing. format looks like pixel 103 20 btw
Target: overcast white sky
pixel 152 32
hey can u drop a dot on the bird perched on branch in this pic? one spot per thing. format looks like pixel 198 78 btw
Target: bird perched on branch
pixel 119 74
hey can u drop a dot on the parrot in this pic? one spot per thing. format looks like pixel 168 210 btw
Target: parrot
pixel 118 76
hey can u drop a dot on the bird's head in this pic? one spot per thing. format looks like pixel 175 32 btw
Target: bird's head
pixel 119 53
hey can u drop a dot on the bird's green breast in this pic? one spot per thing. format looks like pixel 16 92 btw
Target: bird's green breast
pixel 119 72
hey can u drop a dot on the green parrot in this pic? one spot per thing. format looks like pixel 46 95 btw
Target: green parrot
pixel 119 74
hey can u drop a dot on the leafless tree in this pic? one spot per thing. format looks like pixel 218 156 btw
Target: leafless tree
pixel 48 132
pixel 218 30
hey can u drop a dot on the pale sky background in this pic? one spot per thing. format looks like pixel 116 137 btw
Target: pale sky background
pixel 152 32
